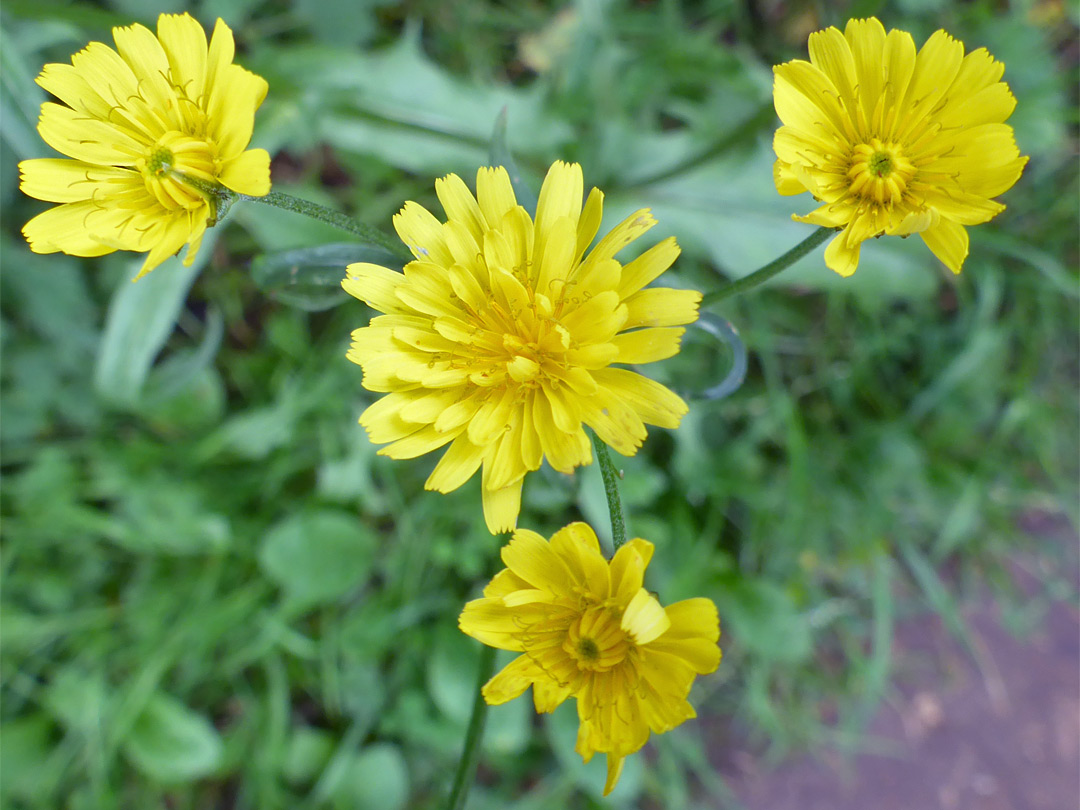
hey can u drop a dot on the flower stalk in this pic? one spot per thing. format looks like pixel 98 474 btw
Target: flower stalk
pixel 611 489
pixel 760 276
pixel 470 754
pixel 372 236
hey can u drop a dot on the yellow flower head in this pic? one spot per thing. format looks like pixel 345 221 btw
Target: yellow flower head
pixel 892 141
pixel 139 121
pixel 585 627
pixel 498 339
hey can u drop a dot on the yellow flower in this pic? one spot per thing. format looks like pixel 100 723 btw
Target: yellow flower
pixel 892 141
pixel 139 122
pixel 498 339
pixel 585 627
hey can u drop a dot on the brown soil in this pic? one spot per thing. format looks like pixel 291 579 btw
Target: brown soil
pixel 1002 733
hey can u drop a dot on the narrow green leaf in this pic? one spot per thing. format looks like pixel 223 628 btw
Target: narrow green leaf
pixel 20 100
pixel 500 155
pixel 169 379
pixel 310 278
pixel 935 591
pixel 141 318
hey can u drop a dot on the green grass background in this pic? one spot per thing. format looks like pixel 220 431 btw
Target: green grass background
pixel 215 595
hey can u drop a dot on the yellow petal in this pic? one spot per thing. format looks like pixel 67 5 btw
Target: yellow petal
pixel 787 181
pixel 949 242
pixel 866 38
pixel 898 61
pixel 614 771
pixel 579 549
pixel 830 53
pixel 422 234
pixel 842 255
pixel 417 444
pixel 548 695
pixel 489 621
pixel 659 306
pixel 514 679
pixel 86 139
pixel 806 99
pixel 615 422
pixel 65 181
pixel 108 74
pixel 383 420
pixel 458 464
pixel 460 205
pixel 628 568
pixel 503 462
pixel 428 404
pixel 936 66
pixel 234 97
pixel 964 208
pixel 594 278
pixel 560 196
pixel 62 228
pixel 589 223
pixel 492 418
pixel 175 233
pixel 219 55
pixel 648 345
pixel 494 193
pixel 644 619
pixel 375 285
pixel 647 267
pixel 692 635
pixel 564 451
pixel 184 42
pixel 622 235
pixel 595 320
pixel 139 47
pixel 655 404
pixel 68 85
pixel 501 507
pixel 556 257
pixel 247 173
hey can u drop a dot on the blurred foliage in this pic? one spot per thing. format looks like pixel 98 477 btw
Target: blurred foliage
pixel 217 596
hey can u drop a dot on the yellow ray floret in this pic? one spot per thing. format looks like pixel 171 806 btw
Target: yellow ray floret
pixel 146 124
pixel 894 141
pixel 586 628
pixel 499 339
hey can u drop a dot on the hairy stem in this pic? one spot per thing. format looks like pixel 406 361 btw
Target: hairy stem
pixel 771 269
pixel 370 235
pixel 470 754
pixel 611 488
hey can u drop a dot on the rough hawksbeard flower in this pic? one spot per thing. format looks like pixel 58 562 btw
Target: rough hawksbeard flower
pixel 586 628
pixel 892 141
pixel 140 122
pixel 498 339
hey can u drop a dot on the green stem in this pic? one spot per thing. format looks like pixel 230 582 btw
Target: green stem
pixel 470 755
pixel 771 269
pixel 373 236
pixel 611 488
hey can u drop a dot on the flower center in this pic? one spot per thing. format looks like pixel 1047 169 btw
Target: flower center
pixel 172 163
pixel 160 162
pixel 879 172
pixel 596 641
pixel 533 343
